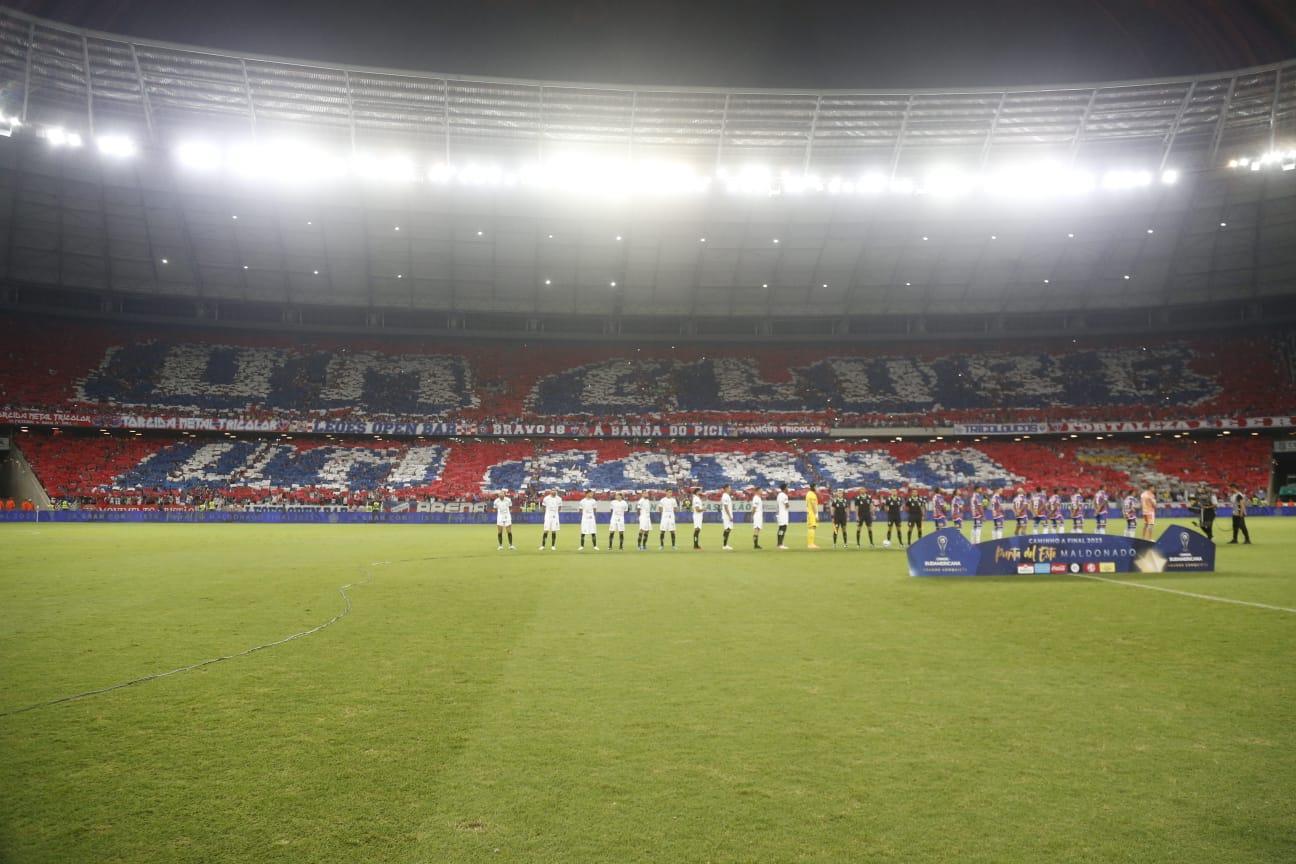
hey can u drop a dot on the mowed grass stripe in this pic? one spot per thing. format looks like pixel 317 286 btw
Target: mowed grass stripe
pixel 644 707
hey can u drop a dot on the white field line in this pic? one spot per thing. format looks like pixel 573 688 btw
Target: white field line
pixel 1210 597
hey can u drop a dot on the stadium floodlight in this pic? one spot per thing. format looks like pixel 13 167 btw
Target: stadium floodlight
pixel 548 281
pixel 57 136
pixel 1125 179
pixel 440 173
pixel 872 183
pixel 1170 177
pixel 751 179
pixel 199 156
pixel 902 186
pixel 116 146
pixel 945 181
pixel 384 168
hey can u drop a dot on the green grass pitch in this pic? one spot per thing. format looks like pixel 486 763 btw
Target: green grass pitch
pixel 478 706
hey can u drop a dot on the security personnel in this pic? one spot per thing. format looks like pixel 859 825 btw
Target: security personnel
pixel 1239 502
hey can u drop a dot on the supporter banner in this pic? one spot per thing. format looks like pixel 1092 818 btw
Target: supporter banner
pixel 1000 428
pixel 526 429
pixel 208 424
pixel 891 431
pixel 356 427
pixel 1173 425
pixel 49 418
pixel 949 553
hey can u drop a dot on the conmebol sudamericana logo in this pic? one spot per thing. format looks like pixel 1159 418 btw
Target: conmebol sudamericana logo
pixel 1183 541
pixel 941 543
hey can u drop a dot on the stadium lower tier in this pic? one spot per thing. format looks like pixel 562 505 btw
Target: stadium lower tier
pixel 187 469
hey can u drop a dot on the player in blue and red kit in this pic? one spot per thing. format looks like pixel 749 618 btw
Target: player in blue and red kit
pixel 939 515
pixel 956 509
pixel 1100 510
pixel 977 507
pixel 1020 512
pixel 1037 502
pixel 1055 512
pixel 997 514
pixel 1130 510
pixel 1077 512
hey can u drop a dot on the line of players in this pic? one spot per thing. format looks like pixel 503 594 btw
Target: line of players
pixel 1036 512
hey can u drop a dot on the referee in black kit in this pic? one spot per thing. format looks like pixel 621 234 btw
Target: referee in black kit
pixel 863 515
pixel 1238 500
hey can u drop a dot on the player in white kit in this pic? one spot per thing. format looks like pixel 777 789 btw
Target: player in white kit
pixel 552 504
pixel 758 517
pixel 781 514
pixel 644 505
pixel 726 516
pixel 699 510
pixel 667 506
pixel 503 519
pixel 589 524
pixel 616 525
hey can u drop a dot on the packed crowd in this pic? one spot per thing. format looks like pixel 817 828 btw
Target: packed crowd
pixel 104 371
pixel 191 471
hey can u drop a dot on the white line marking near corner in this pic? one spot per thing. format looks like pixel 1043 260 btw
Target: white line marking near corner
pixel 1188 593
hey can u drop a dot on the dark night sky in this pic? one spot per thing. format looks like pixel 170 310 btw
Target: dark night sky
pixel 749 43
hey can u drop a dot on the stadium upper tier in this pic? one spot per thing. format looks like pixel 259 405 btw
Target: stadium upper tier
pixel 126 469
pixel 63 76
pixel 60 365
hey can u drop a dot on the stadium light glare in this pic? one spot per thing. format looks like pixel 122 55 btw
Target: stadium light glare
pixel 1170 177
pixel 944 181
pixel 902 186
pixel 1125 179
pixel 751 179
pixel 386 168
pixel 548 281
pixel 872 183
pixel 165 261
pixel 116 146
pixel 57 136
pixel 199 156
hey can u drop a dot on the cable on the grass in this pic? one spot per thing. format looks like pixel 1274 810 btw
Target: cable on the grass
pixel 345 611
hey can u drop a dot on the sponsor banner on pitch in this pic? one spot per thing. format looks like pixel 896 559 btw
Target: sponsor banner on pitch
pixel 949 553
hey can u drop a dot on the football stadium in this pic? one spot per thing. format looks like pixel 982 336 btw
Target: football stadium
pixel 403 466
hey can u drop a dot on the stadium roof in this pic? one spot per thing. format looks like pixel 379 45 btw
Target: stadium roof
pixel 57 74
